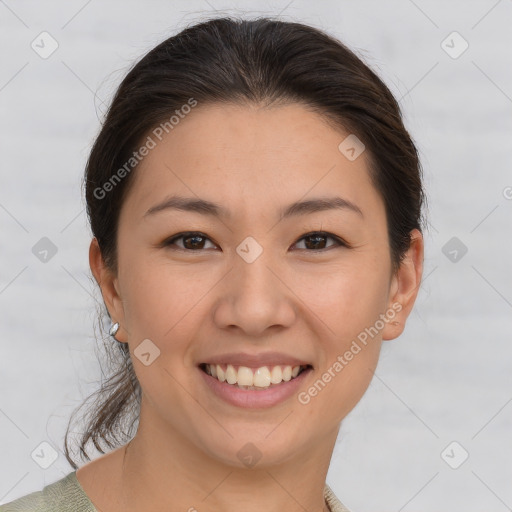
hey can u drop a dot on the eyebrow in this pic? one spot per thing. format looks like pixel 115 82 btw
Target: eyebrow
pixel 204 207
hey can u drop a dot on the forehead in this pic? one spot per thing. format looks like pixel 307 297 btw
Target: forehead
pixel 251 158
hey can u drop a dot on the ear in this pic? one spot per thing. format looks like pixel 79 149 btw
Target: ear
pixel 109 286
pixel 404 287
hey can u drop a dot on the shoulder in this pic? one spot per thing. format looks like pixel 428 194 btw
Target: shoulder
pixel 64 495
pixel 334 504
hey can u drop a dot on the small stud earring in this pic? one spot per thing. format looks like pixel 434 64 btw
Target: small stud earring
pixel 113 330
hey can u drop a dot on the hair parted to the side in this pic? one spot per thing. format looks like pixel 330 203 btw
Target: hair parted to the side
pixel 262 62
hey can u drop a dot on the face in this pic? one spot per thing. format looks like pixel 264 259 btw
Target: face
pixel 254 283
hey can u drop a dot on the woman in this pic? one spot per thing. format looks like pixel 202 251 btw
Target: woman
pixel 256 208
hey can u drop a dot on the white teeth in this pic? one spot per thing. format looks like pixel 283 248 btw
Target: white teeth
pixel 231 375
pixel 247 378
pixel 277 375
pixel 261 377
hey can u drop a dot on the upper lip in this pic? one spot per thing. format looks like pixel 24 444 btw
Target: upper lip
pixel 256 360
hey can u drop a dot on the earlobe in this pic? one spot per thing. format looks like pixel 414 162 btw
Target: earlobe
pixel 107 283
pixel 404 287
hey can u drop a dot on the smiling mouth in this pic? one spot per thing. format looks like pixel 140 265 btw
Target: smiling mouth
pixel 247 378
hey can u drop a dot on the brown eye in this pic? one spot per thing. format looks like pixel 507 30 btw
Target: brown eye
pixel 195 241
pixel 316 241
pixel 191 241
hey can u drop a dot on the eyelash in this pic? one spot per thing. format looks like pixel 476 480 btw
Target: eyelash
pixel 340 242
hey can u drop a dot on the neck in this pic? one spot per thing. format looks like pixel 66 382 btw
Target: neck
pixel 163 471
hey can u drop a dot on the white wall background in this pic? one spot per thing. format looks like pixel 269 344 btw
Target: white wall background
pixel 447 378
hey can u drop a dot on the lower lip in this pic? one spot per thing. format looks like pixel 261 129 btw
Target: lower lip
pixel 263 399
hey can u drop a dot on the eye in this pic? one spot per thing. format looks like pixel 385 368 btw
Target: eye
pixel 315 240
pixel 195 241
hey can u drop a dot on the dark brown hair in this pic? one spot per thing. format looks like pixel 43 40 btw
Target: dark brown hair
pixel 227 60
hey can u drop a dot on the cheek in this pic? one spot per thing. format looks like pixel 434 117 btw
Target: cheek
pixel 349 304
pixel 158 298
pixel 347 298
pixel 161 305
pixel 358 297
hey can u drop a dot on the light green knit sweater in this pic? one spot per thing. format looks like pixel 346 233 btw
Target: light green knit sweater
pixel 67 495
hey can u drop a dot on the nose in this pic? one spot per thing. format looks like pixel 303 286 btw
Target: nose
pixel 254 298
